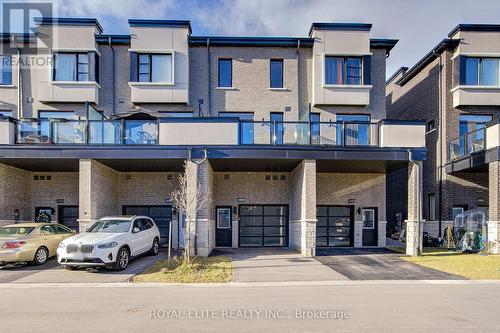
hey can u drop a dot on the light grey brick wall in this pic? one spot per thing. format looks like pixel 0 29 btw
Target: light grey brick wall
pixel 147 188
pixel 15 193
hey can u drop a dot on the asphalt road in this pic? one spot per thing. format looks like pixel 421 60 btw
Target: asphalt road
pixel 383 306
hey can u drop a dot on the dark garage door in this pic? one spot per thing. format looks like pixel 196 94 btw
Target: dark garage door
pixel 162 215
pixel 335 226
pixel 263 225
pixel 68 216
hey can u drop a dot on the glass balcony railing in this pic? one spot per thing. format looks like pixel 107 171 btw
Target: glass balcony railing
pixel 467 144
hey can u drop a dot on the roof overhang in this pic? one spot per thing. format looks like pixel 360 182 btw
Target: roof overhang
pixel 69 21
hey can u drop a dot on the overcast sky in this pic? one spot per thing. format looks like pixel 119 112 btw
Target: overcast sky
pixel 418 24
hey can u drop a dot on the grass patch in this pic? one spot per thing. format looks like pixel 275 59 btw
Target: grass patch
pixel 470 266
pixel 216 269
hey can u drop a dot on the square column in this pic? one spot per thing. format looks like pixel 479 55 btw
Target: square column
pixel 414 225
pixel 200 222
pixel 303 214
pixel 494 205
pixel 99 192
pixel 15 195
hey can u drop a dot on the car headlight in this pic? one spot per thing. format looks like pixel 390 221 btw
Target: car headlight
pixel 107 245
pixel 61 246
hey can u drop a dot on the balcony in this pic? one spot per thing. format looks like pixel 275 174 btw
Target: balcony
pixel 218 132
pixel 467 144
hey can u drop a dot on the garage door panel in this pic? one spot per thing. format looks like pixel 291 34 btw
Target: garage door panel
pixel 274 220
pixel 263 225
pixel 322 221
pixel 274 210
pixel 251 210
pixel 274 241
pixel 250 221
pixel 162 215
pixel 339 241
pixel 251 241
pixel 252 231
pixel 335 226
pixel 321 231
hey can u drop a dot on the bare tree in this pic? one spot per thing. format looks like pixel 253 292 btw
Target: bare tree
pixel 190 200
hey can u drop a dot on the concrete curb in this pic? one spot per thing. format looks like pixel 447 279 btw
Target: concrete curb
pixel 248 284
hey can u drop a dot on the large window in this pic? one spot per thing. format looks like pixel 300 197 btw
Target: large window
pixel 71 67
pixel 155 68
pixel 343 70
pixel 353 130
pixel 6 70
pixel 482 71
pixel 276 73
pixel 225 73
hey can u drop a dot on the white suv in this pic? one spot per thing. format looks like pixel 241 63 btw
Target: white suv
pixel 110 242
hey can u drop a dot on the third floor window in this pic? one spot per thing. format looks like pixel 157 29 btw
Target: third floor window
pixel 276 79
pixel 343 70
pixel 482 71
pixel 75 66
pixel 155 68
pixel 6 70
pixel 225 73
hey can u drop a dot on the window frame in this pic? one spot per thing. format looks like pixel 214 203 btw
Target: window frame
pixel 77 66
pixel 345 76
pixel 2 83
pixel 230 60
pixel 282 62
pixel 150 67
pixel 363 210
pixel 479 77
pixel 431 213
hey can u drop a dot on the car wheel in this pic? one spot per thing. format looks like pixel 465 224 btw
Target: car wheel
pixel 41 256
pixel 122 259
pixel 155 248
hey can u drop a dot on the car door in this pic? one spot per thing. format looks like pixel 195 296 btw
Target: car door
pixel 138 237
pixel 50 238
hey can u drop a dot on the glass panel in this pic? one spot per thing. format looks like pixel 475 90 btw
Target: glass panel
pixel 276 73
pixel 177 114
pixel 334 70
pixel 251 210
pixel 321 211
pixel 6 70
pixel 251 241
pixel 224 218
pixel 161 68
pixel 295 133
pixel 338 231
pixel 274 241
pixel 338 241
pixel 262 132
pixel 276 128
pixel 489 72
pixel 354 71
pixel 140 132
pixel 339 211
pixel 250 220
pixel 69 132
pixel 246 128
pixel 251 231
pixel 225 73
pixel 471 71
pixel 321 231
pixel 275 210
pixel 65 67
pixel 321 241
pixel 105 132
pixel 368 219
pixel 314 118
pixel 339 221
pixel 274 220
pixel 30 132
pixel 275 231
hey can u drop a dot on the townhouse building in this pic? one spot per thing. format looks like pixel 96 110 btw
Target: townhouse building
pixel 456 88
pixel 288 136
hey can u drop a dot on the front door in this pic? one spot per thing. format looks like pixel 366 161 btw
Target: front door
pixel 223 230
pixel 370 227
pixel 162 215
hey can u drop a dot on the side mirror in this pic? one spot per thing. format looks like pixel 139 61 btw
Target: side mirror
pixel 136 230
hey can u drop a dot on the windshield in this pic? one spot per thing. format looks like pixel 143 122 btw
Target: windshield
pixel 110 226
pixel 15 231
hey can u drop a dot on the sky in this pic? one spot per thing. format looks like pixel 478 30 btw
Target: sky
pixel 418 24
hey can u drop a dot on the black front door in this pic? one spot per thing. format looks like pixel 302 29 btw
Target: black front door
pixel 263 225
pixel 223 230
pixel 162 215
pixel 335 226
pixel 68 216
pixel 370 226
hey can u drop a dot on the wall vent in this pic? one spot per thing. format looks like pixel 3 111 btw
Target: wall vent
pixel 268 177
pixel 169 177
pixel 42 177
pixel 128 177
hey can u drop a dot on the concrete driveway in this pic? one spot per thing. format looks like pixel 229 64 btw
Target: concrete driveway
pixel 276 265
pixel 52 272
pixel 377 264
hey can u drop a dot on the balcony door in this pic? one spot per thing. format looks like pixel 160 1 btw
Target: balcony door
pixel 353 134
pixel 276 128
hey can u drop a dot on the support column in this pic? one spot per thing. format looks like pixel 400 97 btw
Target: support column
pixel 414 225
pixel 303 213
pixel 200 178
pixel 99 192
pixel 494 205
pixel 15 195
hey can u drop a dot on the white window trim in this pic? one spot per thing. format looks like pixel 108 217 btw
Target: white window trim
pixel 363 216
pixel 141 51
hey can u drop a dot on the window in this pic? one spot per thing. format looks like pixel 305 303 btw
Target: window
pixel 223 218
pixel 277 128
pixel 354 130
pixel 5 113
pixel 48 230
pixel 482 71
pixel 276 73
pixel 432 207
pixel 456 210
pixel 6 69
pixel 225 73
pixel 314 119
pixel 61 229
pixel 430 125
pixel 177 114
pixel 155 68
pixel 246 127
pixel 368 218
pixel 343 70
pixel 71 67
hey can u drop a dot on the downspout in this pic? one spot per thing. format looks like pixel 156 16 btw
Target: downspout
pixel 440 177
pixel 113 70
pixel 209 79
pixel 20 113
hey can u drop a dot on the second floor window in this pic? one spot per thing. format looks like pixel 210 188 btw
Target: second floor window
pixel 482 71
pixel 155 68
pixel 276 73
pixel 225 73
pixel 343 70
pixel 71 67
pixel 6 69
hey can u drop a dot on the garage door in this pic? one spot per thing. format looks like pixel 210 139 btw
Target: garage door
pixel 68 216
pixel 263 225
pixel 335 226
pixel 162 215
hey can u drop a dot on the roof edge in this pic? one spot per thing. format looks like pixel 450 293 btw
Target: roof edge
pixel 387 44
pixel 114 39
pixel 250 41
pixel 475 27
pixel 393 76
pixel 70 21
pixel 340 26
pixel 160 23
